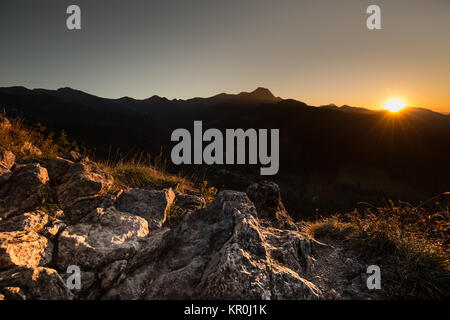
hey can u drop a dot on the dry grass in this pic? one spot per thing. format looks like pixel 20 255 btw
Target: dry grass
pixel 143 173
pixel 26 142
pixel 410 245
pixel 33 143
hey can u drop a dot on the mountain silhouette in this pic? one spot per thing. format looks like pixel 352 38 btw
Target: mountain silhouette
pixel 330 157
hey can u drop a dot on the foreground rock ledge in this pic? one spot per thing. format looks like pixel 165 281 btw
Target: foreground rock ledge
pixel 241 246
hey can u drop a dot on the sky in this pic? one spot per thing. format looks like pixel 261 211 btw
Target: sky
pixel 315 51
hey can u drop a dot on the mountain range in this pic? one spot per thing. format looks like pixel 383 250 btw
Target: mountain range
pixel 330 157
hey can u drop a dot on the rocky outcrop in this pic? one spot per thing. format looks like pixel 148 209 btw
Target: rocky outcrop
pixel 241 246
pixel 219 252
pixel 23 190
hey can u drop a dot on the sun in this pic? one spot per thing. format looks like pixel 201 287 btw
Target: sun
pixel 394 105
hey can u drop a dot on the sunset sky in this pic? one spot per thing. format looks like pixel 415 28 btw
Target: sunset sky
pixel 316 51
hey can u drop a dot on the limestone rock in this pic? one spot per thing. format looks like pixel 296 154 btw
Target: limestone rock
pixel 110 235
pixel 189 202
pixel 19 248
pixel 76 179
pixel 39 283
pixel 266 197
pixel 111 272
pixel 28 221
pixel 149 204
pixel 22 191
pixel 267 200
pixel 219 252
pixel 13 293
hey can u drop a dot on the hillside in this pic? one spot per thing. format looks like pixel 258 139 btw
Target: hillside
pixel 165 241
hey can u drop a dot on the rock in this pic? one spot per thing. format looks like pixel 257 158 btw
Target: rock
pixel 23 190
pixel 29 221
pixel 82 207
pixel 110 235
pixel 87 280
pixel 267 200
pixel 74 157
pixel 77 181
pixel 54 228
pixel 189 202
pixel 39 283
pixel 149 204
pixel 218 252
pixel 111 272
pixel 29 249
pixel 7 159
pixel 354 268
pixel 5 175
pixel 13 293
pixel 140 268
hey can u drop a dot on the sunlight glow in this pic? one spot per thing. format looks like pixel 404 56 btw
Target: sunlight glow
pixel 394 105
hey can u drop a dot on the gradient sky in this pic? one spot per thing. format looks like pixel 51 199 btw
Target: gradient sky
pixel 316 51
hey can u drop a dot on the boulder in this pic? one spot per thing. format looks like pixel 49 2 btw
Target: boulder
pixel 20 248
pixel 266 197
pixel 23 190
pixel 149 204
pixel 77 179
pixel 108 235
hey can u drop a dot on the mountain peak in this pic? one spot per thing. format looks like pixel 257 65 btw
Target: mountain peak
pixel 259 93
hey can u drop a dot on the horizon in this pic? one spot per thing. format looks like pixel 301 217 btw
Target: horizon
pixel 319 52
pixel 228 93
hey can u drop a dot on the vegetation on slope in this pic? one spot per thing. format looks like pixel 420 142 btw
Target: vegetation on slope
pixel 411 246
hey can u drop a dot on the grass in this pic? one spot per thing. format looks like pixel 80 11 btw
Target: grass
pixel 144 173
pixel 135 173
pixel 409 244
pixel 26 142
